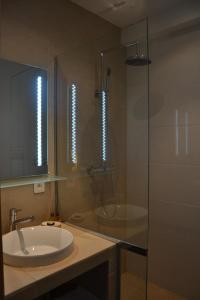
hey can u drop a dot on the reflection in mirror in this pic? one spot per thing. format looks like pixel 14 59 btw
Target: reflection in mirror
pixel 23 120
pixel 73 108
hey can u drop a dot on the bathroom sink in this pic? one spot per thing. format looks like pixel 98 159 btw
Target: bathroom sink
pixel 36 246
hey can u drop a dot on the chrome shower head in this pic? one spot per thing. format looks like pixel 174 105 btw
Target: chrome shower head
pixel 137 60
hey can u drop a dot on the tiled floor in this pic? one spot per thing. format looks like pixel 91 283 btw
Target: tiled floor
pixel 134 287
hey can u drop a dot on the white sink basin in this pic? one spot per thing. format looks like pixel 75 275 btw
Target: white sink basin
pixel 36 246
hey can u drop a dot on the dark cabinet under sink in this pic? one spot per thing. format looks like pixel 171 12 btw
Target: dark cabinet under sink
pixel 92 285
pixel 75 294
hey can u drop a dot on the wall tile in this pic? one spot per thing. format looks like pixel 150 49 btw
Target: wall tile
pixel 38 205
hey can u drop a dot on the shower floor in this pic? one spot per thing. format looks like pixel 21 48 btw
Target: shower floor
pixel 134 287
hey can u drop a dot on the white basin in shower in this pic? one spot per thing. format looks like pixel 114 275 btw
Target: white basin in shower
pixel 36 246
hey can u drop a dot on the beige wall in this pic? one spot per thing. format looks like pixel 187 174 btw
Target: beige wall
pixel 174 154
pixel 38 205
pixel 174 160
pixel 34 32
pixel 174 171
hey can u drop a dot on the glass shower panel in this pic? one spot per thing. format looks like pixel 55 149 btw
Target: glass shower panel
pixel 102 118
pixel 133 276
pixel 78 138
pixel 126 213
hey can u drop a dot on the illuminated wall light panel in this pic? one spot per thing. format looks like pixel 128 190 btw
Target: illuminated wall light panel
pixel 74 123
pixel 39 121
pixel 104 126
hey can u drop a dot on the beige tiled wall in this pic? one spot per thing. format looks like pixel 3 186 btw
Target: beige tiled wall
pixel 174 163
pixel 38 205
pixel 174 154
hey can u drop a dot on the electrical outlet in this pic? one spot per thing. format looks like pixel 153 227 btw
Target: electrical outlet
pixel 39 188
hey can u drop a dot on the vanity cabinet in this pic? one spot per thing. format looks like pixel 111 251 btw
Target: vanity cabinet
pixel 87 272
pixel 92 285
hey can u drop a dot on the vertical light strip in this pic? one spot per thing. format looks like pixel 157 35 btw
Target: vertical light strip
pixel 39 121
pixel 177 131
pixel 186 133
pixel 74 123
pixel 104 125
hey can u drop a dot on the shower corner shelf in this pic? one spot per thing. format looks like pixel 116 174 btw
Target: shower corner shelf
pixel 15 182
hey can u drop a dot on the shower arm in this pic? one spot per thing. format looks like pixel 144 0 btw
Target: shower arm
pixel 136 43
pixel 102 52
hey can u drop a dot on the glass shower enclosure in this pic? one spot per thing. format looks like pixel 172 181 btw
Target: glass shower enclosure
pixel 102 148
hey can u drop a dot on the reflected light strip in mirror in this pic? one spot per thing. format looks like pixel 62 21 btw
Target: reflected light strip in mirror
pixel 39 121
pixel 74 123
pixel 104 125
pixel 177 131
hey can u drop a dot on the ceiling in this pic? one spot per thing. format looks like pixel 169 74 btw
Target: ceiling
pixel 119 12
pixel 125 12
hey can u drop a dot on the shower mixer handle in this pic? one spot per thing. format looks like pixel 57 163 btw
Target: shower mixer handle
pixel 98 170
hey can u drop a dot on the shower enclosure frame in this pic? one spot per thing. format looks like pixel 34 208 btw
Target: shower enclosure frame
pixel 121 245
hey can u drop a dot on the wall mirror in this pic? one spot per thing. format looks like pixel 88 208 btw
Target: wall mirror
pixel 23 120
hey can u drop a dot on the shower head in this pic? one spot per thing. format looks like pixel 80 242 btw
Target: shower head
pixel 137 60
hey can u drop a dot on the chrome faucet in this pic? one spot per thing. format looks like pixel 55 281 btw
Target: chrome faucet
pixel 14 221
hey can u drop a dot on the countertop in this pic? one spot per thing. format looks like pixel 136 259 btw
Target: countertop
pixel 28 283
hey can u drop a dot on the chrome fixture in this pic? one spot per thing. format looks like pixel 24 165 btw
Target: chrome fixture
pixel 14 221
pixel 91 171
pixel 96 170
pixel 139 59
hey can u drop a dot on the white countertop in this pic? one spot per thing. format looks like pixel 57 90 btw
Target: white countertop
pixel 28 283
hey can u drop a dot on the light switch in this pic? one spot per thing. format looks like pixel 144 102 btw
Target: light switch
pixel 39 188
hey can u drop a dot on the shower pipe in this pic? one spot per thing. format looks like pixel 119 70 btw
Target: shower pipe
pixel 136 43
